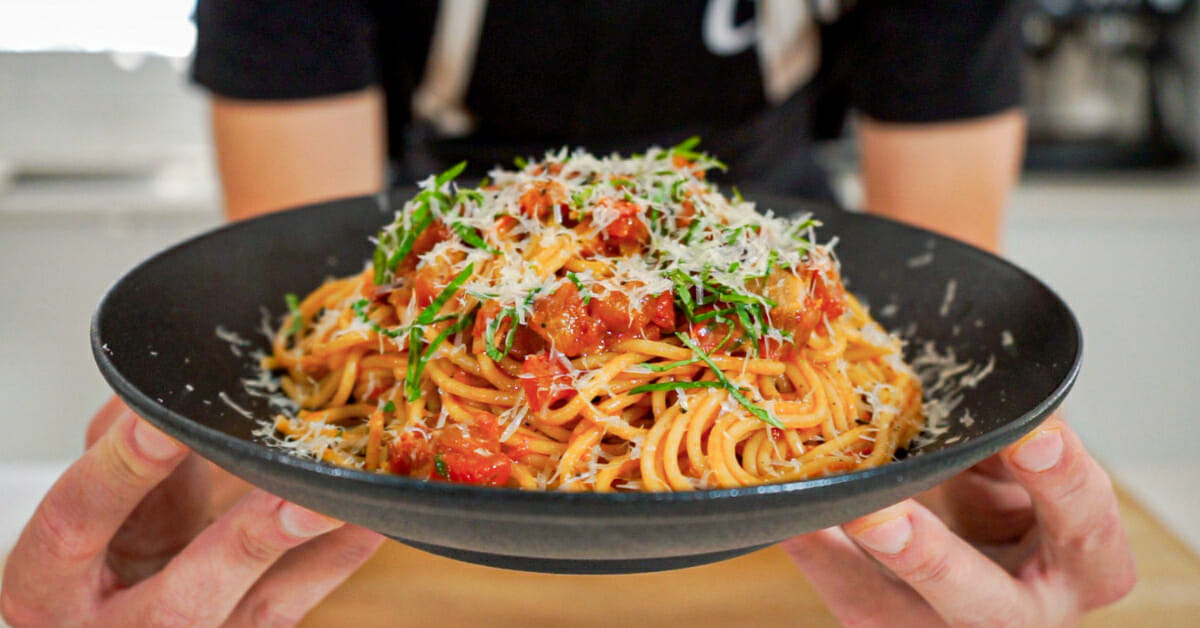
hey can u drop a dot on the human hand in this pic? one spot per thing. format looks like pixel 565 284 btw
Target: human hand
pixel 1030 537
pixel 125 537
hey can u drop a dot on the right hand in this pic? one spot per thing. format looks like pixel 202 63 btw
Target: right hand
pixel 140 532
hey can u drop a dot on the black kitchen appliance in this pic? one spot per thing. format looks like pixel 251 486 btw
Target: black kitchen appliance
pixel 1111 83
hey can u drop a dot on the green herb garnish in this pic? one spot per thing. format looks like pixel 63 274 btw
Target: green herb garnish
pixel 449 175
pixel 685 147
pixel 692 229
pixel 439 467
pixel 293 304
pixel 471 236
pixel 762 414
pixel 489 343
pixel 417 359
pixel 583 290
pixel 675 386
pixel 360 310
pixel 658 368
pixel 428 314
pixel 392 248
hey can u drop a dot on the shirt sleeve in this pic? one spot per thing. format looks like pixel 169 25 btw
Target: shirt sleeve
pixel 926 61
pixel 283 49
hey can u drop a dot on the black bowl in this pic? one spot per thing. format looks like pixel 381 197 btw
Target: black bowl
pixel 155 339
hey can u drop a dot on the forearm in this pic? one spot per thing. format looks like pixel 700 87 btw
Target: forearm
pixel 273 155
pixel 951 177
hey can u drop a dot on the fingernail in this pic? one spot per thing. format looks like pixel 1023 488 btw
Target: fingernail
pixel 887 537
pixel 1040 452
pixel 153 443
pixel 302 522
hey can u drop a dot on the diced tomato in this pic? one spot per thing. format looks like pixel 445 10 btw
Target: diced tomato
pixel 428 282
pixel 627 233
pixel 504 224
pixel 622 320
pixel 683 219
pixel 574 328
pixel 436 232
pixel 612 309
pixel 826 299
pixel 466 454
pixel 411 455
pixel 472 455
pixel 486 313
pixel 553 168
pixel 436 273
pixel 708 335
pixel 517 447
pixel 542 198
pixel 829 296
pixel 563 321
pixel 773 349
pixel 472 468
pixel 803 300
pixel 803 323
pixel 679 161
pixel 545 380
pixel 524 340
pixel 711 333
pixel 662 311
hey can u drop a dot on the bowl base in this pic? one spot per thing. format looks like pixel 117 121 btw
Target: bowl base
pixel 579 566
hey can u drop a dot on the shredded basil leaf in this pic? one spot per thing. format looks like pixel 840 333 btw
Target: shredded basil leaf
pixel 675 386
pixel 293 304
pixel 416 365
pixel 489 345
pixel 471 236
pixel 449 175
pixel 430 312
pixel 686 145
pixel 583 290
pixel 691 232
pixel 658 368
pixel 360 310
pixel 385 258
pixel 758 412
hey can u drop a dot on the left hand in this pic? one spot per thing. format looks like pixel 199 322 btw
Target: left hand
pixel 141 532
pixel 1030 537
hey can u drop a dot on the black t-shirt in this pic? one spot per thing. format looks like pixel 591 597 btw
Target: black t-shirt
pixel 487 81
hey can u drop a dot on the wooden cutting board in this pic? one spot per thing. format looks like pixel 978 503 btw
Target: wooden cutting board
pixel 401 586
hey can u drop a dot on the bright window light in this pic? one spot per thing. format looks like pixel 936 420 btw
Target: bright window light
pixel 160 27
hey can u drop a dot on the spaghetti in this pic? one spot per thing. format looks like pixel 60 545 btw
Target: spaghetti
pixel 602 324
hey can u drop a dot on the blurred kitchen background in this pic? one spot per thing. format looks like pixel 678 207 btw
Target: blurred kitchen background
pixel 104 160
